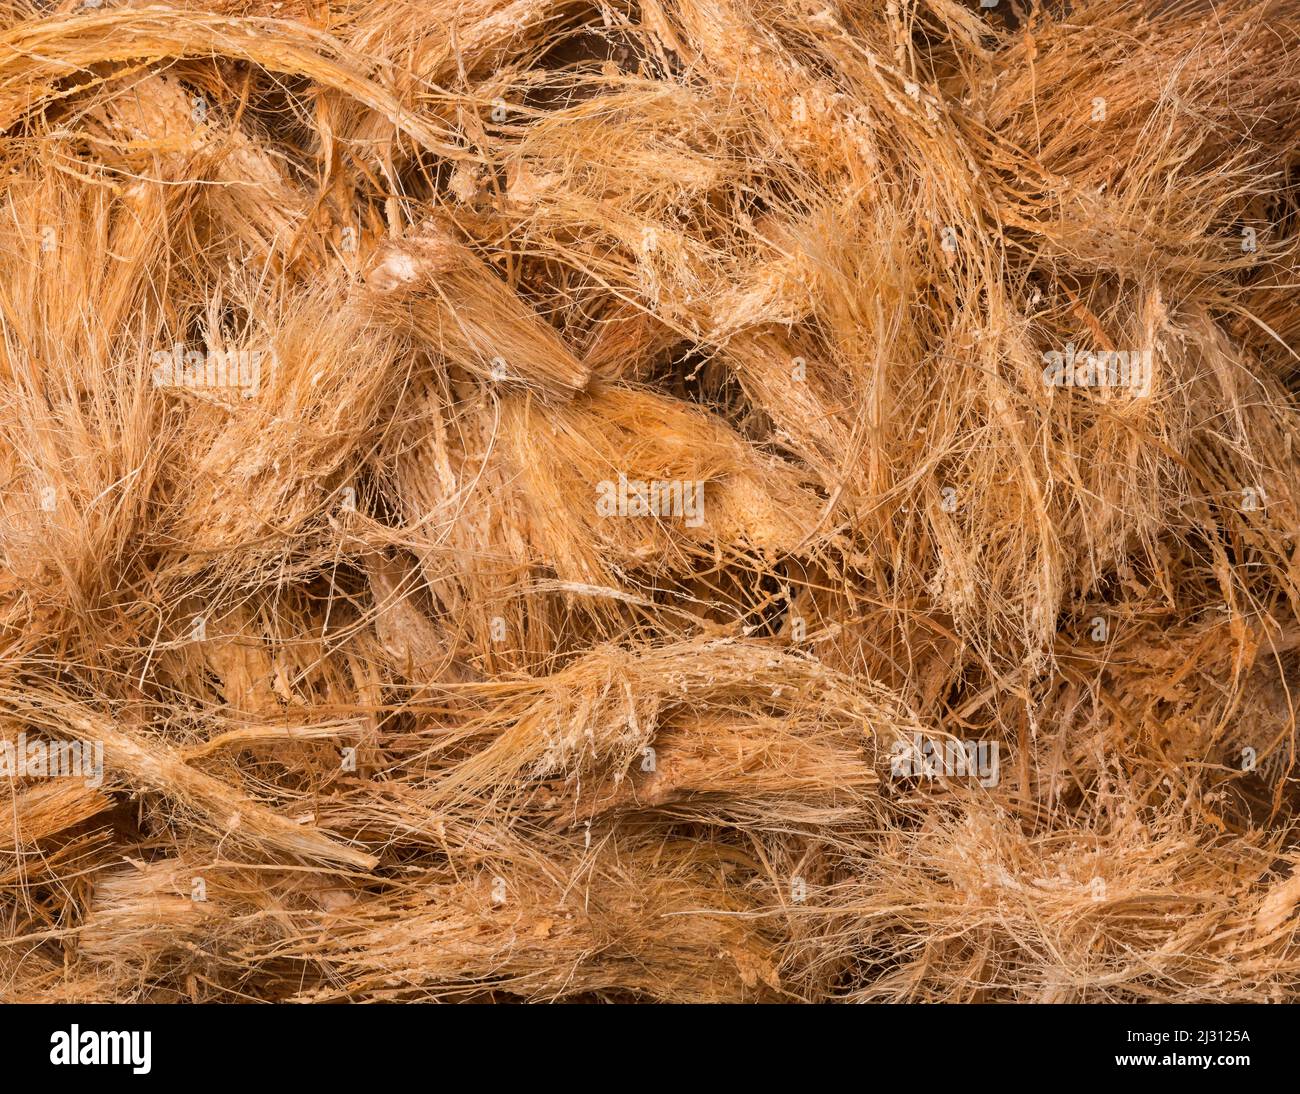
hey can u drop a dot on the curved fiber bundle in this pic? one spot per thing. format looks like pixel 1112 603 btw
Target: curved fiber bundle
pixel 649 500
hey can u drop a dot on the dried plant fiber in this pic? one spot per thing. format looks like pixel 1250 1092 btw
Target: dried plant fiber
pixel 649 501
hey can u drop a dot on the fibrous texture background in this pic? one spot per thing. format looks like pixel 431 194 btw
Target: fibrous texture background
pixel 637 488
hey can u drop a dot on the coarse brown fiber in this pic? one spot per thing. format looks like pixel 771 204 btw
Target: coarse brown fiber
pixel 650 500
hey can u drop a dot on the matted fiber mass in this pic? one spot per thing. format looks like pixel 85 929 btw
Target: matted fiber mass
pixel 677 500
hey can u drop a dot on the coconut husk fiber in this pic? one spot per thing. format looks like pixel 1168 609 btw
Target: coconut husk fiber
pixel 408 686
